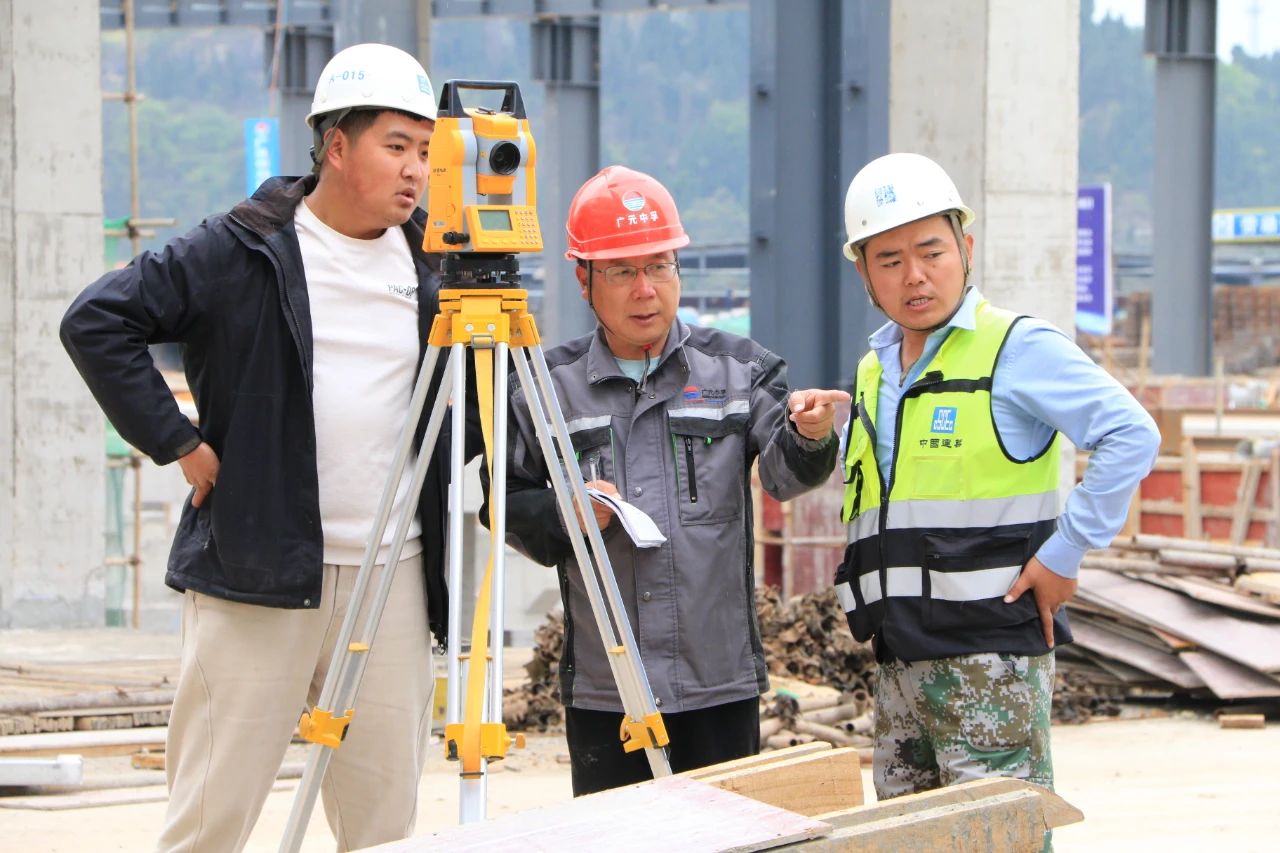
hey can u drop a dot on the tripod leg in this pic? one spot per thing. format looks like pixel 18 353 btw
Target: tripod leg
pixel 487 705
pixel 621 648
pixel 458 383
pixel 472 791
pixel 498 526
pixel 343 679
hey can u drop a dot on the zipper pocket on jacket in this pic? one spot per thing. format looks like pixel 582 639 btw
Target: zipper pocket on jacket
pixel 693 479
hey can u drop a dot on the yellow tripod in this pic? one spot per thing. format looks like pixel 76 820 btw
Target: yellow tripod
pixel 494 322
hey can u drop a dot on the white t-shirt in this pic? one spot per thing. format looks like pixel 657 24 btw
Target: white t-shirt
pixel 364 328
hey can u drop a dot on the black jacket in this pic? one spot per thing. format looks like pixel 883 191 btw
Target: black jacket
pixel 233 293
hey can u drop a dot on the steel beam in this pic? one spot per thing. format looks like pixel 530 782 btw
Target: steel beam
pixel 305 48
pixel 1182 35
pixel 208 13
pixel 566 59
pixel 561 8
pixel 819 96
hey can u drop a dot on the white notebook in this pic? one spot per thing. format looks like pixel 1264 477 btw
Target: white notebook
pixel 639 526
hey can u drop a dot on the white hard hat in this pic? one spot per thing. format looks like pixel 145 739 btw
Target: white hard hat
pixel 373 76
pixel 893 190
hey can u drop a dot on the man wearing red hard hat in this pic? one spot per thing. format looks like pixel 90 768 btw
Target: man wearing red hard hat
pixel 670 417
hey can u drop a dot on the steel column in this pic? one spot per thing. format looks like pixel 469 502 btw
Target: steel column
pixel 817 114
pixel 303 52
pixel 1182 35
pixel 307 47
pixel 566 59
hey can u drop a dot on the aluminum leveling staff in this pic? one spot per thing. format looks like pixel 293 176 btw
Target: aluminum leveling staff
pixel 959 560
pixel 671 416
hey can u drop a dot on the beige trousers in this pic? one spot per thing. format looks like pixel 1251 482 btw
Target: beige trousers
pixel 248 673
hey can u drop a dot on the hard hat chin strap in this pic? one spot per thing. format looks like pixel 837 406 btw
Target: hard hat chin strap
pixel 322 136
pixel 953 216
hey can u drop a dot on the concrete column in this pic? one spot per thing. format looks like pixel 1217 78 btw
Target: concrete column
pixel 990 89
pixel 566 60
pixel 52 454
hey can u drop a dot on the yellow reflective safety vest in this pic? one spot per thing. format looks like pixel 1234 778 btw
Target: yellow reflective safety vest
pixel 932 552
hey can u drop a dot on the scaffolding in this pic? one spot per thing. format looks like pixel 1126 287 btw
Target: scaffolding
pixel 121 457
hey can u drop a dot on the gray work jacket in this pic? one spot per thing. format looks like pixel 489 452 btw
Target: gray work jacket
pixel 680 449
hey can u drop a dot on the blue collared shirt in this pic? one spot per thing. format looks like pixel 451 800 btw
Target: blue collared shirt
pixel 1043 382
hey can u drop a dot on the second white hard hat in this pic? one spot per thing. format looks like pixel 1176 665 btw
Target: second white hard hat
pixel 893 190
pixel 373 76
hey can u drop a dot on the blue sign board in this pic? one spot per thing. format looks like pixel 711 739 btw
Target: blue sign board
pixel 261 152
pixel 1261 225
pixel 1093 259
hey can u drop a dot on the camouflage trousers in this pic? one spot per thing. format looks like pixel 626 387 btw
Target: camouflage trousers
pixel 950 720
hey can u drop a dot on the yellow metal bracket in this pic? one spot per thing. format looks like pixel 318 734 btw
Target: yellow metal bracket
pixel 649 733
pixel 482 318
pixel 322 727
pixel 494 741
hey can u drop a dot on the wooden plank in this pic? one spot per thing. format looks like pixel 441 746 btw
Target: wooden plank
pixel 1129 676
pixel 1001 815
pixel 1272 537
pixel 97 799
pixel 1002 823
pixel 146 760
pixel 1152 542
pixel 1122 564
pixel 1242 721
pixel 1175 642
pixel 1167 507
pixel 1205 590
pixel 1254 644
pixel 84 701
pixel 1245 501
pixel 758 760
pixel 1164 665
pixel 104 711
pixel 1191 527
pixel 1216 563
pixel 1265 584
pixel 1228 679
pixel 1056 811
pixel 1132 631
pixel 111 742
pixel 808 784
pixel 674 813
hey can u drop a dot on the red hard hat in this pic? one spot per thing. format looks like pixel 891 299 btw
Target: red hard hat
pixel 621 213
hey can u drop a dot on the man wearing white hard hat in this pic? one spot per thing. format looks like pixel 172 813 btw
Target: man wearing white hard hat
pixel 960 556
pixel 303 313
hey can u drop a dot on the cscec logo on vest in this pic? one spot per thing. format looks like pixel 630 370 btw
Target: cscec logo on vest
pixel 944 419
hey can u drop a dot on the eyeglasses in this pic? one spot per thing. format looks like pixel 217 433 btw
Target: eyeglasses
pixel 624 274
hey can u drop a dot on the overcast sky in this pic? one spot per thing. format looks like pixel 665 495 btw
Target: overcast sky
pixel 1236 22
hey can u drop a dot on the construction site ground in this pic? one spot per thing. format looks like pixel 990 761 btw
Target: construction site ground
pixel 1172 782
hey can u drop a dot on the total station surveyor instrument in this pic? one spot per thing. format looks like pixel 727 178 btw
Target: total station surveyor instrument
pixel 481 214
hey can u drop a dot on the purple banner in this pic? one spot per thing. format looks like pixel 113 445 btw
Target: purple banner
pixel 1093 259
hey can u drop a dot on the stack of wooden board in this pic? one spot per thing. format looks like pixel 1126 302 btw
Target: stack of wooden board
pixel 806 799
pixel 1174 633
pixel 64 696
